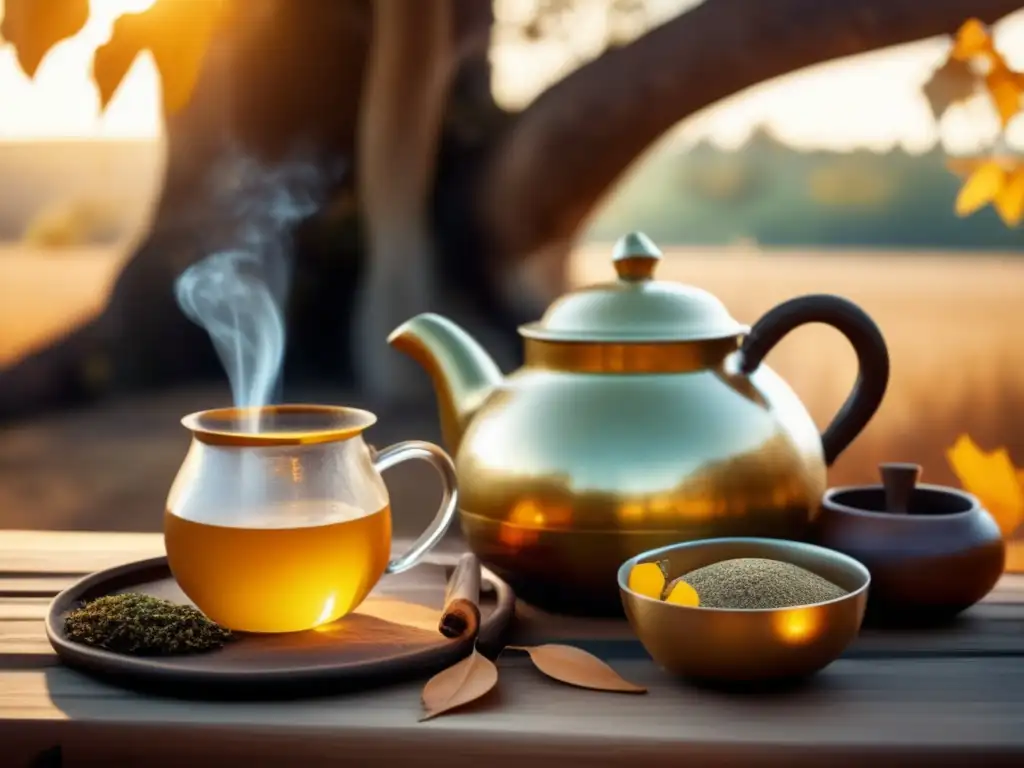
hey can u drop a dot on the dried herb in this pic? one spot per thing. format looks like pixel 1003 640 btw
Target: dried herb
pixel 757 582
pixel 142 625
pixel 460 684
pixel 574 666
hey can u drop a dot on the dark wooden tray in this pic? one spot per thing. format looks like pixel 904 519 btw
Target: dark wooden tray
pixel 392 636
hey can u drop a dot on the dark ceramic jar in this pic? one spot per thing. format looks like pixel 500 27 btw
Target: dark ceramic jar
pixel 932 551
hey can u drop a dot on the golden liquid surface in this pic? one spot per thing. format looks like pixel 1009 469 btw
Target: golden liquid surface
pixel 276 577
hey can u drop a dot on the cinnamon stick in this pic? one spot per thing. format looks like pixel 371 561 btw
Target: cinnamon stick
pixel 461 613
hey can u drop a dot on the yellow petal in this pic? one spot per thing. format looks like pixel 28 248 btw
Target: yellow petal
pixel 972 39
pixel 981 188
pixel 1009 203
pixel 683 594
pixel 647 579
pixel 1005 89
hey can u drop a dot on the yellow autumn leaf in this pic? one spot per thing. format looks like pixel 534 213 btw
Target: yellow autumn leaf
pixel 176 32
pixel 1009 201
pixel 991 477
pixel 1005 88
pixel 981 187
pixel 972 39
pixel 33 27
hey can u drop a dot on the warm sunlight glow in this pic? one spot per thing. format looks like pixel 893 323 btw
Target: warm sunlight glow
pixel 797 626
pixel 328 610
pixel 62 101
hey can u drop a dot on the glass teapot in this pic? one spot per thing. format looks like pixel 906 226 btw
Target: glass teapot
pixel 279 519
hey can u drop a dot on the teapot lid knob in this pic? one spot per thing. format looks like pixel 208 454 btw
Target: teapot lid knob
pixel 635 257
pixel 899 480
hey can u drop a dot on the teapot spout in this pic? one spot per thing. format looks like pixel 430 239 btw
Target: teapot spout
pixel 461 370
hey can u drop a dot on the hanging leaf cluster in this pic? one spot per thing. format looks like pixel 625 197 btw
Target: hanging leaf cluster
pixel 974 67
pixel 177 33
pixel 475 676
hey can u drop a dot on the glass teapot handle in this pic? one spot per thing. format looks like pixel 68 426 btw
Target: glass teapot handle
pixel 439 460
pixel 859 329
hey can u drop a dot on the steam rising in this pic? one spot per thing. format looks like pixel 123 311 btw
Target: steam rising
pixel 228 294
pixel 238 292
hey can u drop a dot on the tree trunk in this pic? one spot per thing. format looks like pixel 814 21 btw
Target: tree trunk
pixel 410 66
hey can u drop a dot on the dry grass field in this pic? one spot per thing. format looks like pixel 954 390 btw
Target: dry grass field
pixel 954 323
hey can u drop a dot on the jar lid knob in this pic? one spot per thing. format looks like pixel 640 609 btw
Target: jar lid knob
pixel 899 480
pixel 635 257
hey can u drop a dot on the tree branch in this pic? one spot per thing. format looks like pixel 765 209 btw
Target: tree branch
pixel 571 145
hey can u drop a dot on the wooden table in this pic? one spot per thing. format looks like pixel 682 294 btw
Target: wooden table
pixel 947 697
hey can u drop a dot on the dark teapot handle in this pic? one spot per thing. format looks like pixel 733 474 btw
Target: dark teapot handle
pixel 862 333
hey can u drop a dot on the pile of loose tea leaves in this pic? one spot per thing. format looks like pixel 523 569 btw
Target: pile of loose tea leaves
pixel 142 625
pixel 754 582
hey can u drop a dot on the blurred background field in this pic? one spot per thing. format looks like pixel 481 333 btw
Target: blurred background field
pixel 952 321
pixel 832 179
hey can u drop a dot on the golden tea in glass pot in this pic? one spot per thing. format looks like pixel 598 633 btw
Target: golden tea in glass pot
pixel 279 519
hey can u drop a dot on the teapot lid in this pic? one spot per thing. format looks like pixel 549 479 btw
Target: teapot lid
pixel 636 308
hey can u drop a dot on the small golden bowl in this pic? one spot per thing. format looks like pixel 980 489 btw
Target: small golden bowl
pixel 719 645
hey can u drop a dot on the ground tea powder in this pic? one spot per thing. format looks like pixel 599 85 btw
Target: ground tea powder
pixel 143 625
pixel 754 582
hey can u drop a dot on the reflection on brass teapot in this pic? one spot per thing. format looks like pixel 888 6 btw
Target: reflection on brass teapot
pixel 642 417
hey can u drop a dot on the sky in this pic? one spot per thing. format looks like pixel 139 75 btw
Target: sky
pixel 871 101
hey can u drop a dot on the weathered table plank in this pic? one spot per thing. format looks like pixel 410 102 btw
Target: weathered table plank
pixel 953 696
pixel 27 553
pixel 995 627
pixel 994 630
pixel 937 705
pixel 31 553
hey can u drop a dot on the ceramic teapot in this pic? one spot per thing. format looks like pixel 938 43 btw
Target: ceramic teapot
pixel 642 417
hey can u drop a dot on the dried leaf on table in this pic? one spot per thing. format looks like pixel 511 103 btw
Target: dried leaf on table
pixel 574 666
pixel 991 477
pixel 460 684
pixel 952 83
